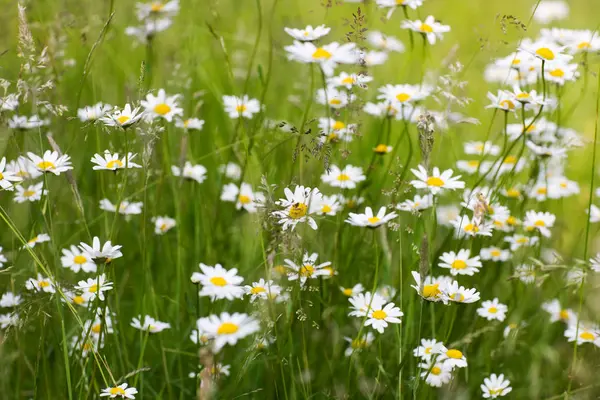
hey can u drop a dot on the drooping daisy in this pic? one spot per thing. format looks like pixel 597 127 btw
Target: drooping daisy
pixel 369 220
pixel 308 269
pixel 309 33
pixel 93 112
pixel 94 287
pixel 345 178
pixel 124 207
pixel 190 124
pixel 149 324
pixel 354 290
pixel 51 161
pixel 495 386
pixel 492 310
pixel 460 263
pixel 437 181
pixel 7 177
pixel 359 344
pixel 101 254
pixel 123 118
pixel 121 391
pixel 243 196
pixel 241 107
pixel 163 224
pixel 430 29
pixel 327 56
pixel 228 328
pixel 558 313
pixel 297 207
pixel 540 221
pixel 40 284
pixel 218 282
pixel 494 253
pixel 76 260
pixel 112 162
pixel 30 193
pixel 262 290
pixel 161 106
pixel 41 238
pixel 436 374
pixel 193 172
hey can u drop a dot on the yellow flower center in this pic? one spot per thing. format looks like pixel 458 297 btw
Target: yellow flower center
pixel 163 227
pixel 348 80
pixel 495 253
pixel 359 344
pixel 343 177
pixel 564 315
pixel 123 119
pixel 428 350
pixel 45 165
pixel 402 97
pixel 96 328
pixel 32 241
pixel 400 2
pixel 28 193
pixel 79 259
pixel 241 108
pixel 545 53
pixel 218 281
pixel 114 164
pixel 93 288
pixel 227 328
pixel 513 193
pixel 453 353
pixel 584 45
pixel 492 310
pixel 507 104
pixel 373 220
pixel 1 176
pixel 522 240
pixel 337 125
pixel 434 181
pixel 379 314
pixel 307 270
pixel 431 290
pixel 335 102
pixel 244 199
pixel 436 370
pixel 426 28
pixel 347 292
pixel 162 109
pixel 257 290
pixel 557 73
pixel 381 149
pixel 542 190
pixel 459 264
pixel 473 163
pixel 510 160
pixel 326 209
pixel 539 223
pixel 471 228
pixel 587 336
pixel 117 391
pixel 495 391
pixel 43 284
pixel 298 210
pixel 523 95
pixel 321 53
pixel 78 300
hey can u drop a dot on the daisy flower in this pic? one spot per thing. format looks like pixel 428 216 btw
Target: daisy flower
pixel 218 283
pixel 94 287
pixel 231 171
pixel 431 288
pixel 190 124
pixel 161 106
pixel 193 172
pixel 23 168
pixel 465 226
pixel 241 107
pixel 23 122
pixel 112 162
pixel 345 178
pixel 357 345
pixel 452 358
pixel 308 269
pixel 297 207
pixel 503 101
pixel 76 260
pixel 540 221
pixel 7 177
pixel 334 98
pixel 494 253
pixel 361 303
pixel 40 284
pixel 430 29
pixel 437 181
pixel 583 333
pixel 93 112
pixel 243 196
pixel 121 391
pixel 41 238
pixel 123 118
pixel 327 56
pixel 309 33
pixel 525 273
pixel 403 95
pixel 157 9
pixel 353 291
pixel 9 300
pixel 369 220
pixel 399 3
pixel 150 324
pixel 349 81
pixel 425 350
pixel 30 193
pixel 163 224
pixel 459 294
pixel 384 42
pixel 382 149
pixel 336 131
pixel 262 290
pixel 101 254
pixel 517 241
pixel 51 161
pixel 558 313
pixel 481 148
pixel 228 328
pixel 125 207
pixel 495 386
pixel 380 314
pixel 545 50
pixel 561 72
pixel 492 310
pixel 327 205
pixel 436 374
pixel 460 263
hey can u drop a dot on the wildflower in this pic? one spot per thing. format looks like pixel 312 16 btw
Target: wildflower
pixel 353 291
pixel 525 273
pixel 503 101
pixel 557 313
pixel 75 298
pixel 41 238
pixel 419 203
pixel 148 29
pixel 492 310
pixel 425 349
pixel 123 118
pixel 583 41
pixel 380 314
pixel 76 260
pixel 94 287
pixel 561 72
pixel 431 288
pixel 359 344
pixel 193 172
pixel 163 224
pixel 198 336
pixel 402 95
pixel 7 320
pixel 228 328
pixel 297 207
pixel 30 193
pixel 262 290
pixel 518 241
pixel 594 214
pixel 583 333
pixel 430 29
pixel 231 171
pixel 23 122
pixel 243 196
pixel 9 300
pixel 400 3
pixel 327 205
pixel 190 124
pixel 241 107
pixel 161 106
pixel 349 81
pixel 437 181
pixel 494 254
pixel 51 162
pixel 121 391
pixel 335 131
pixel 345 178
pixel 327 56
pixel 466 226
pixel 545 50
pixel 112 162
pixel 384 42
pixel 459 294
pixel 551 10
pixel 334 98
pixel 309 33
pixel 23 168
pixel 124 207
pixel 460 263
pixel 101 254
pixel 436 374
pixel 157 9
pixel 150 324
pixel 93 113
pixel 540 221
pixel 7 176
pixel 495 386
pixel 469 166
pixel 382 149
pixel 309 269
pixel 360 303
pixel 218 283
pixel 452 358
pixel 40 284
pixel 369 220
pixel 481 148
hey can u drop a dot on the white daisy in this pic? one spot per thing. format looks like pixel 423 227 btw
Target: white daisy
pixel 7 177
pixel 492 310
pixel 359 344
pixel 161 106
pixel 123 118
pixel 112 162
pixel 163 224
pixel 309 33
pixel 430 29
pixel 241 107
pixel 101 254
pixel 369 220
pixel 218 283
pixel 51 161
pixel 495 386
pixel 327 56
pixel 297 207
pixel 190 124
pixel 76 260
pixel 308 269
pixel 353 291
pixel 243 196
pixel 228 328
pixel 194 172
pixel 94 287
pixel 436 374
pixel 121 391
pixel 558 313
pixel 93 112
pixel 40 284
pixel 494 253
pixel 30 193
pixel 262 290
pixel 540 221
pixel 41 238
pixel 460 263
pixel 149 324
pixel 327 205
pixel 436 181
pixel 125 207
pixel 345 178
pixel 9 300
pixel 349 81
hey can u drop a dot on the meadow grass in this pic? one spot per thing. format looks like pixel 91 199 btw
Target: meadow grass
pixel 230 47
